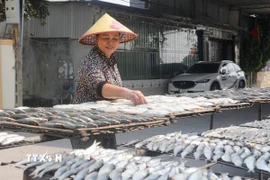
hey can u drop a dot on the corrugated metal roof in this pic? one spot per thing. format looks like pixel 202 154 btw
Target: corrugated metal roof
pixel 83 17
pixel 57 23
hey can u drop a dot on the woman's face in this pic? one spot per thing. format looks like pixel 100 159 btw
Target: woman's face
pixel 108 42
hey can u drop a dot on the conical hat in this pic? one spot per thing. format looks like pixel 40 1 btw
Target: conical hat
pixel 107 24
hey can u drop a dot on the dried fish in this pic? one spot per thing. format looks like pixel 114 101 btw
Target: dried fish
pixel 3 137
pixel 19 116
pixel 91 176
pixel 8 119
pixel 208 151
pixel 4 114
pixel 31 121
pixel 199 151
pixel 236 159
pixel 105 171
pixel 179 148
pixel 250 163
pixel 116 172
pixel 10 140
pixel 187 150
pixel 261 162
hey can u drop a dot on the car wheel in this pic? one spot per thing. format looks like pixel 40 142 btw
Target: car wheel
pixel 215 86
pixel 241 84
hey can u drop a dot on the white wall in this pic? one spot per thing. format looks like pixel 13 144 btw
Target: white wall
pixel 7 66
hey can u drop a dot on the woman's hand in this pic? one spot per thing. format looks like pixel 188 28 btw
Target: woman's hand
pixel 112 91
pixel 136 97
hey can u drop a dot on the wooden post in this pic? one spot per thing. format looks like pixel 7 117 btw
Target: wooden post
pixel 211 121
pixel 18 65
pixel 260 112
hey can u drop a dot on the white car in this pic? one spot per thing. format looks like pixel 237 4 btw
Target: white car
pixel 208 76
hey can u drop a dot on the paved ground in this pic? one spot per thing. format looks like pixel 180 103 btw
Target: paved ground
pixel 195 124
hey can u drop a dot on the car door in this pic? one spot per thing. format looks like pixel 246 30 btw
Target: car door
pixel 231 77
pixel 224 75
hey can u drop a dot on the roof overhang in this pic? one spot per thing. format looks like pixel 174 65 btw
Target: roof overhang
pixel 256 7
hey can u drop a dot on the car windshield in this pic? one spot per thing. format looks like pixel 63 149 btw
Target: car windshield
pixel 204 68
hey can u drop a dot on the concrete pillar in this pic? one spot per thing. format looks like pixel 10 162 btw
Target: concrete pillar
pixel 237 49
pixel 207 46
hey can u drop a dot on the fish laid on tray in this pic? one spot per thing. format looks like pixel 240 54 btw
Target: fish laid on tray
pixel 240 154
pixel 121 111
pixel 246 94
pixel 244 134
pixel 7 139
pixel 158 105
pixel 68 118
pixel 98 163
pixel 262 124
pixel 166 105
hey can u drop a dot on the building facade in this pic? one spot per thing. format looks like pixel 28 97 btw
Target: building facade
pixel 171 38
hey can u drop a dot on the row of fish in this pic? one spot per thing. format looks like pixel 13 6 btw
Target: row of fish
pixel 102 164
pixel 158 105
pixel 261 124
pixel 242 133
pixel 246 94
pixel 69 119
pixel 114 112
pixel 7 139
pixel 240 154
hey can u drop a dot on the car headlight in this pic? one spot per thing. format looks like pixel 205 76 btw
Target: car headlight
pixel 203 81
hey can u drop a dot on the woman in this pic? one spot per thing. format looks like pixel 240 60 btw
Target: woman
pixel 98 75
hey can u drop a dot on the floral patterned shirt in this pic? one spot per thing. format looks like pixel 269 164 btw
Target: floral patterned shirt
pixel 94 71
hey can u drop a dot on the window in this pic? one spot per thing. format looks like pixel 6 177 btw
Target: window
pixel 237 68
pixel 231 68
pixel 204 68
pixel 224 67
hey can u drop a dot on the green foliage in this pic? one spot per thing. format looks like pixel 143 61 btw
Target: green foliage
pixel 251 54
pixel 33 8
pixel 254 52
pixel 265 42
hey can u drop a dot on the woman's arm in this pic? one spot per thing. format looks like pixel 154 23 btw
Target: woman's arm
pixel 112 91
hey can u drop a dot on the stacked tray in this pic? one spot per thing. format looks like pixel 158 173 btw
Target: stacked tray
pixel 249 156
pixel 98 163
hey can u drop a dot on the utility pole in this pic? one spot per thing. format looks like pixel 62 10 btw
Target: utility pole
pixel 19 83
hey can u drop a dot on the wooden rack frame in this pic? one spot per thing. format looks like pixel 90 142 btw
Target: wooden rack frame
pixel 82 132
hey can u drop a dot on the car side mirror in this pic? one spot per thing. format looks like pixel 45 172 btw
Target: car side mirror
pixel 223 71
